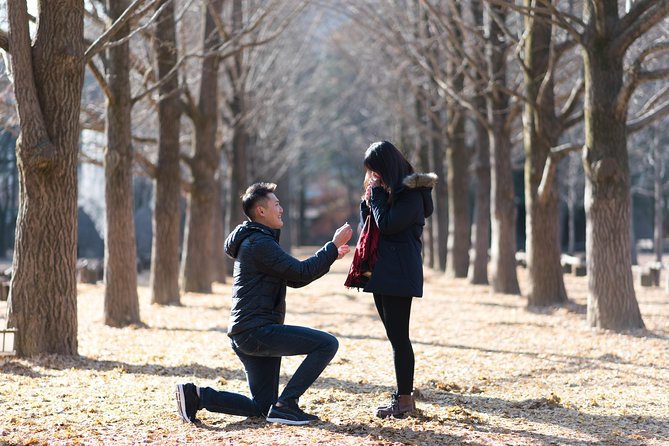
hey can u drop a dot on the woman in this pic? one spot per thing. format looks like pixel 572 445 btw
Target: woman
pixel 399 201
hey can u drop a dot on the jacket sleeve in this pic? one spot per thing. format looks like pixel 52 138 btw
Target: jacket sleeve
pixel 271 259
pixel 364 211
pixel 396 218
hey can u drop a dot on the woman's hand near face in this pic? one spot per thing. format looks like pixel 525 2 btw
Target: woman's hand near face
pixel 372 180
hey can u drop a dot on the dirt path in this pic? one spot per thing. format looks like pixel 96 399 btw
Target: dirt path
pixel 488 372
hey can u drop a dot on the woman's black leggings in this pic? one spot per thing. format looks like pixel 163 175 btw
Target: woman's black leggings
pixel 395 312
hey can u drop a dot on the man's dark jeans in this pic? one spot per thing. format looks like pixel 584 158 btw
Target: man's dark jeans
pixel 260 350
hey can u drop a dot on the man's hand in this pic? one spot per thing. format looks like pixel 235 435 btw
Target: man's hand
pixel 343 250
pixel 342 235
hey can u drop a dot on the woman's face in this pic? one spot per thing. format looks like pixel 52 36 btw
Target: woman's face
pixel 371 176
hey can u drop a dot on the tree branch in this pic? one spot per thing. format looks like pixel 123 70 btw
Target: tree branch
pixel 100 78
pixel 644 15
pixel 147 166
pixel 4 40
pixel 648 118
pixel 34 138
pixel 556 155
pixel 109 34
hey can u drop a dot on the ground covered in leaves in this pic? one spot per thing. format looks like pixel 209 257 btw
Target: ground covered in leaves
pixel 488 372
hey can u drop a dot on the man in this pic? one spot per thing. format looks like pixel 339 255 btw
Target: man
pixel 257 333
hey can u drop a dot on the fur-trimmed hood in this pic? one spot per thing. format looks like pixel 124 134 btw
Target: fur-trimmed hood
pixel 416 180
pixel 423 183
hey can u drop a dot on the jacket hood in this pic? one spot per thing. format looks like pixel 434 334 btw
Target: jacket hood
pixel 416 180
pixel 424 182
pixel 242 232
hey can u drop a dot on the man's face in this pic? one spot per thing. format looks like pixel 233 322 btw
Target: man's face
pixel 269 212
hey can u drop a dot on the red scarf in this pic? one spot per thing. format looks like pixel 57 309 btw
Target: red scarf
pixel 364 256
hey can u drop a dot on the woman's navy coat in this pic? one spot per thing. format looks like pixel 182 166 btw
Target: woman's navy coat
pixel 398 270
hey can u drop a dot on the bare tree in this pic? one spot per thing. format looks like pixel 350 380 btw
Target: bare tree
pixel 542 127
pixel 196 274
pixel 606 37
pixel 502 210
pixel 164 281
pixel 47 86
pixel 121 306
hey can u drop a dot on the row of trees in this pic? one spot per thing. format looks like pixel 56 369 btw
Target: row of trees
pixel 216 92
pixel 238 91
pixel 563 75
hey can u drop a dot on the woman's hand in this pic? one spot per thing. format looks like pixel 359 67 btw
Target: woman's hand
pixel 372 179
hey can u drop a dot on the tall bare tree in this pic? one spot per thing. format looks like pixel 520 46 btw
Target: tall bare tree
pixel 196 271
pixel 541 130
pixel 605 39
pixel 164 281
pixel 502 204
pixel 48 77
pixel 459 157
pixel 121 303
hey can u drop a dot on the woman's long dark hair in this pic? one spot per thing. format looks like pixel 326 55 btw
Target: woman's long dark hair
pixel 385 159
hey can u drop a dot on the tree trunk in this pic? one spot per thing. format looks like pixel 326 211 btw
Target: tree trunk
pixel 121 305
pixel 238 173
pixel 218 257
pixel 440 196
pixel 540 131
pixel 164 281
pixel 196 268
pixel 478 270
pixel 502 200
pixel 458 170
pixel 284 190
pixel 658 231
pixel 458 195
pixel 48 79
pixel 425 146
pixel 612 302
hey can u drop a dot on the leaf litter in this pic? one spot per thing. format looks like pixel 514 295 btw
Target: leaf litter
pixel 488 372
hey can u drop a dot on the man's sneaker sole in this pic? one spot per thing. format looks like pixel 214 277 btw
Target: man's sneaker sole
pixel 181 404
pixel 287 421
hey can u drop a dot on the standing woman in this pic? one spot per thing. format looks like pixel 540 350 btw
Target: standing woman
pixel 399 201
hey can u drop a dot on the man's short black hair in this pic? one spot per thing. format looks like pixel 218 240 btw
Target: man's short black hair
pixel 254 194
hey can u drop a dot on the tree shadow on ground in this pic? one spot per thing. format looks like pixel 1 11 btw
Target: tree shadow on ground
pixel 9 366
pixel 58 362
pixel 551 410
pixel 379 432
pixel 571 360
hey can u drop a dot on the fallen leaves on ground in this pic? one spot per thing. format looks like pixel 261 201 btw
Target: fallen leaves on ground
pixel 488 372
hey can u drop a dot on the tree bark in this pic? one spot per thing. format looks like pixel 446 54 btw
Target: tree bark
pixel 440 196
pixel 196 268
pixel 478 270
pixel 424 144
pixel 458 194
pixel 121 303
pixel 658 231
pixel 458 171
pixel 164 282
pixel 48 79
pixel 238 173
pixel 541 130
pixel 218 257
pixel 612 301
pixel 502 201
